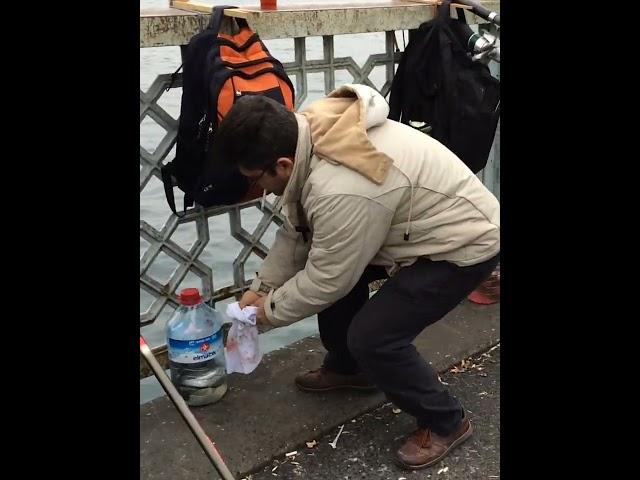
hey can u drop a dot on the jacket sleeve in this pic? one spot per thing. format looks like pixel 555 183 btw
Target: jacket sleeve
pixel 348 231
pixel 286 256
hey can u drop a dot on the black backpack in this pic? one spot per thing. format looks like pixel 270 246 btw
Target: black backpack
pixel 439 84
pixel 217 72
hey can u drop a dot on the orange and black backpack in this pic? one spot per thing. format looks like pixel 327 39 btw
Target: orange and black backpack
pixel 218 68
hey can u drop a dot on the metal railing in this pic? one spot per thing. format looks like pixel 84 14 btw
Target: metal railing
pixel 159 239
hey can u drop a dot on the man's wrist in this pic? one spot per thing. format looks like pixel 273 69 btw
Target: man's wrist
pixel 269 306
pixel 259 287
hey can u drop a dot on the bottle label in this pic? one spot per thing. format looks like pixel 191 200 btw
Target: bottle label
pixel 195 351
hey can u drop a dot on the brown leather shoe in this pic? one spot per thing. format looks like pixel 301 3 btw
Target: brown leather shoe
pixel 425 448
pixel 322 380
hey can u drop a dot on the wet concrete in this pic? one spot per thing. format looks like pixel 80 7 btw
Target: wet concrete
pixel 366 446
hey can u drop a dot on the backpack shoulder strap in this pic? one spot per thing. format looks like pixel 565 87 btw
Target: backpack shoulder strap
pixel 167 181
pixel 217 14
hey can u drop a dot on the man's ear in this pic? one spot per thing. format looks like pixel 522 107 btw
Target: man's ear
pixel 285 163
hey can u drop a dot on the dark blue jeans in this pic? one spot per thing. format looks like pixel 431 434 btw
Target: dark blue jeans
pixel 375 335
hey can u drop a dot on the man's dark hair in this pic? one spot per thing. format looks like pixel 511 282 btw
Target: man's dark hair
pixel 255 133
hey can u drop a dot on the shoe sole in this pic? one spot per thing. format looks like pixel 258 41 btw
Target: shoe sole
pixel 459 440
pixel 337 387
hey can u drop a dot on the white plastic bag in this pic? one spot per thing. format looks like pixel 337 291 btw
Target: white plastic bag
pixel 242 352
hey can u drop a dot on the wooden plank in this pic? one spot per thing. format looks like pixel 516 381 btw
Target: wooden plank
pixel 193 6
pixel 237 12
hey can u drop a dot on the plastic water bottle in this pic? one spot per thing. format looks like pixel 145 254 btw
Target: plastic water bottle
pixel 196 354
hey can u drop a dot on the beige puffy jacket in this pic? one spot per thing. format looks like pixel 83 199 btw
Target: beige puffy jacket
pixel 370 191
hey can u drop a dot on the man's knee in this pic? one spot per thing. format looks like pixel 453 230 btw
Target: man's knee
pixel 363 344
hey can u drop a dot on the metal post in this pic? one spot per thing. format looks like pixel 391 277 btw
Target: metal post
pixel 205 442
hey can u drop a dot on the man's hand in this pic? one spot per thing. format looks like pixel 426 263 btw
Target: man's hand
pixel 248 298
pixel 261 316
pixel 252 298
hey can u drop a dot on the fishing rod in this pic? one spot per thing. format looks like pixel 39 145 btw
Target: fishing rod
pixel 205 442
pixel 481 11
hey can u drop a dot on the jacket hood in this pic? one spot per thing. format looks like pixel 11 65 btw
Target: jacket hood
pixel 339 124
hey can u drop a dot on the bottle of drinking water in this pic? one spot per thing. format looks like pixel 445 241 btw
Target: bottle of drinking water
pixel 196 354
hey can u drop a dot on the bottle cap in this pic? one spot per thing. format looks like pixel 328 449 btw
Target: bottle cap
pixel 190 296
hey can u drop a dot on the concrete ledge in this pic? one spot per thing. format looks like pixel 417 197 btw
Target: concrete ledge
pixel 171 26
pixel 264 415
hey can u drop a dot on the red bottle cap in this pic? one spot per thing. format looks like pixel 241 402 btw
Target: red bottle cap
pixel 190 296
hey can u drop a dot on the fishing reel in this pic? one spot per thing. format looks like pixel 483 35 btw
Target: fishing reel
pixel 486 46
pixel 482 47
